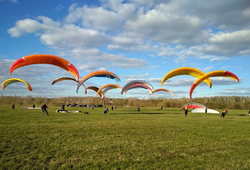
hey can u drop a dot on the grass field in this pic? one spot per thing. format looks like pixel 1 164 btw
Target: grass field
pixel 123 139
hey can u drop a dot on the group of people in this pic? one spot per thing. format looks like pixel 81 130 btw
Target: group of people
pixel 44 109
pixel 223 113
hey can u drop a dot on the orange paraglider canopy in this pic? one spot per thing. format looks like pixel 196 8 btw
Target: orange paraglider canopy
pixel 45 59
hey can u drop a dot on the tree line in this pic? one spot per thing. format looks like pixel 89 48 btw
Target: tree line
pixel 216 102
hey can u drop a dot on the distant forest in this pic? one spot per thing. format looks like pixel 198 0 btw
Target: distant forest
pixel 217 102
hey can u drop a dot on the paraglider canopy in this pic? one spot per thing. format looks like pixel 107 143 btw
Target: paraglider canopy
pixel 45 59
pixel 139 86
pixel 194 105
pixel 106 74
pixel 68 78
pixel 161 89
pixel 15 80
pixel 219 73
pixel 111 86
pixel 96 90
pixel 137 82
pixel 186 71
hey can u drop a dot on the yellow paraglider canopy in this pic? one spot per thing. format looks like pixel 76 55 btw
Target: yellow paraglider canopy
pixel 186 71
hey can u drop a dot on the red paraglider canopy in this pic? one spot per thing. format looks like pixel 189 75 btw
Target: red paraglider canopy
pixel 194 105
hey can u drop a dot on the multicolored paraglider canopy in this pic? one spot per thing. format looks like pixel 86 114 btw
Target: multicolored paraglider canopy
pixel 218 73
pixel 106 74
pixel 15 80
pixel 142 83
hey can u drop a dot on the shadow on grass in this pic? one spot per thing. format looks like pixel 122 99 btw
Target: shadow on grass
pixel 141 113
pixel 229 118
pixel 241 115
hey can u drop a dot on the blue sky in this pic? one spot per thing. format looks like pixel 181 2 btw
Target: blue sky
pixel 136 40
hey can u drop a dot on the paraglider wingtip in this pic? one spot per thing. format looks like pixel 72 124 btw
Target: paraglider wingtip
pixel 118 80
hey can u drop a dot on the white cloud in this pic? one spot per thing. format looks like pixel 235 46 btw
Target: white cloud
pixel 52 34
pixel 23 26
pixel 136 76
pixel 168 29
pixel 148 26
pixel 74 36
pixel 223 81
pixel 180 82
pixel 219 59
pixel 208 68
pixel 97 57
pixel 14 1
pixel 94 18
pixel 59 7
pixel 124 11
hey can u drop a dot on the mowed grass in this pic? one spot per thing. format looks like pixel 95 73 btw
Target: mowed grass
pixel 123 139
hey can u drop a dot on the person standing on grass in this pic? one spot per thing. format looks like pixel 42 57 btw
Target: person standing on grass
pixel 13 107
pixel 186 111
pixel 106 110
pixel 44 109
pixel 138 108
pixel 224 112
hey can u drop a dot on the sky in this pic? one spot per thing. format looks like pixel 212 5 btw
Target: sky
pixel 135 39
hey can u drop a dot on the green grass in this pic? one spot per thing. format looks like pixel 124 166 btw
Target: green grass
pixel 123 139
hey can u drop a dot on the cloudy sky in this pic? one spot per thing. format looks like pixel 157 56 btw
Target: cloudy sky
pixel 135 39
